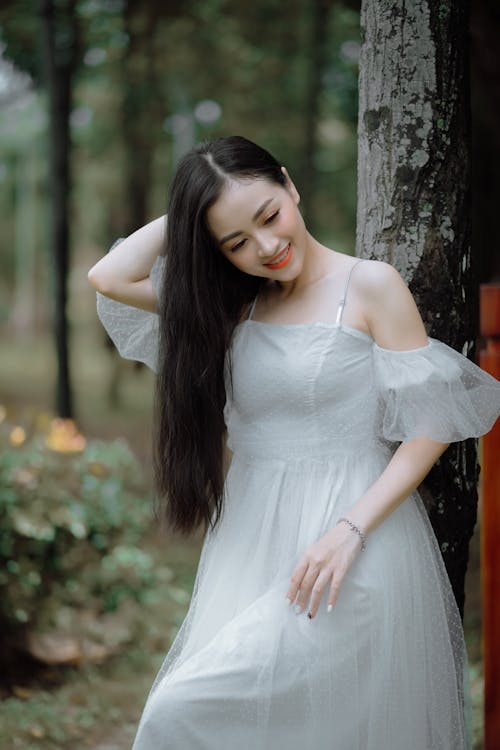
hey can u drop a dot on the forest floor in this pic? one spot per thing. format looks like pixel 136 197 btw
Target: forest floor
pixel 98 706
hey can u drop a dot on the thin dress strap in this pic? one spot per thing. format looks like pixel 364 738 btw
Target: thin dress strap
pixel 341 306
pixel 252 308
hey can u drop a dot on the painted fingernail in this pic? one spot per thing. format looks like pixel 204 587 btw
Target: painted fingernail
pixel 309 615
pixel 298 609
pixel 329 608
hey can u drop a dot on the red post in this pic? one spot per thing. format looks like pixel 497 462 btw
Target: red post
pixel 489 360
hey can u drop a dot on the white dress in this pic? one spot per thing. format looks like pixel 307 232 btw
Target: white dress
pixel 316 413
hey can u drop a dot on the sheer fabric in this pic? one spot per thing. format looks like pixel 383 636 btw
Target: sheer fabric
pixel 134 332
pixel 312 419
pixel 434 391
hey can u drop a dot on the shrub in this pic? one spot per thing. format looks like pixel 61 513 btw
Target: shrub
pixel 72 514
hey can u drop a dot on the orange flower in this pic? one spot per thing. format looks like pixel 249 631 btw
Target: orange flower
pixel 64 437
pixel 17 436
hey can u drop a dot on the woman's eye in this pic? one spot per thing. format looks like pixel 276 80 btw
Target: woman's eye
pixel 237 247
pixel 267 221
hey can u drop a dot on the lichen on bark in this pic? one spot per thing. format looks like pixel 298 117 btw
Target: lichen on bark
pixel 413 205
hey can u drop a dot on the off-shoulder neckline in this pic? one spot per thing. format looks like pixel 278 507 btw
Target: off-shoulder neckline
pixel 349 330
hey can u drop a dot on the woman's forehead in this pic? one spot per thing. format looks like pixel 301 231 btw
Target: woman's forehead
pixel 240 199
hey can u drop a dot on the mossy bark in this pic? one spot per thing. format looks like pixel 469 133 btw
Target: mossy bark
pixel 414 206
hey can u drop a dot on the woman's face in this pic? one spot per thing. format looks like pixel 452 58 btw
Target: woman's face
pixel 259 228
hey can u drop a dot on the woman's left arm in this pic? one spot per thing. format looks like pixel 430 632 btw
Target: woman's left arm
pixel 396 324
pixel 408 467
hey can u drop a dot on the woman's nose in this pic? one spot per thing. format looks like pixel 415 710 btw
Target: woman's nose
pixel 268 246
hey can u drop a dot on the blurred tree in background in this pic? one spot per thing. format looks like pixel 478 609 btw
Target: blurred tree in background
pixel 59 54
pixel 138 83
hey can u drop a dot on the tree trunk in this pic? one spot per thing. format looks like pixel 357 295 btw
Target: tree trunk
pixel 414 207
pixel 317 56
pixel 140 113
pixel 58 27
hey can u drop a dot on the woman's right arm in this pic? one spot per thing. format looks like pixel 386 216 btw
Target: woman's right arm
pixel 123 273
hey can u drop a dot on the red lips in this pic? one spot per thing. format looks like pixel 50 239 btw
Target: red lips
pixel 284 260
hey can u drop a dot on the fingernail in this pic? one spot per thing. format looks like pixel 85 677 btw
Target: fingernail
pixel 288 600
pixel 309 615
pixel 329 608
pixel 298 609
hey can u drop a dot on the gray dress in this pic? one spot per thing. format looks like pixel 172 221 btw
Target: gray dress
pixel 316 413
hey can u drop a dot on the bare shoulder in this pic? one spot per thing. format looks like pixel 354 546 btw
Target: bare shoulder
pixel 376 277
pixel 388 305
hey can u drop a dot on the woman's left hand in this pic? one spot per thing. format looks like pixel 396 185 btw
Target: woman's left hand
pixel 325 562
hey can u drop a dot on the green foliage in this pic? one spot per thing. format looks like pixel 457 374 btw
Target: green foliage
pixel 140 64
pixel 70 525
pixel 18 32
pixel 54 720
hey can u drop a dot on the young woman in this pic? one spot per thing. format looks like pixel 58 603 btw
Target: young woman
pixel 322 616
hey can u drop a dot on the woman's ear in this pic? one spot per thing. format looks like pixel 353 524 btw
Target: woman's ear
pixel 290 186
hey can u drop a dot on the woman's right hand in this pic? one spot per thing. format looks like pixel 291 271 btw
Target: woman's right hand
pixel 123 273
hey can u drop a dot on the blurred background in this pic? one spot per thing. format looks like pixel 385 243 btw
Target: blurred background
pixel 91 595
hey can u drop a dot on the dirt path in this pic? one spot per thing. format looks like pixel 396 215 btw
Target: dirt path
pixel 120 739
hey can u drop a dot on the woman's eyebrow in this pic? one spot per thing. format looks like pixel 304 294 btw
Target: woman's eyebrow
pixel 254 218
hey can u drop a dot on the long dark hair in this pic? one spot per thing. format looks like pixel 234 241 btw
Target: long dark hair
pixel 202 299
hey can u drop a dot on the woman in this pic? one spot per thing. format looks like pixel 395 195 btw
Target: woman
pixel 335 403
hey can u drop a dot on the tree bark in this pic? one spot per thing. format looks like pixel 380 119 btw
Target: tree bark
pixel 414 207
pixel 317 57
pixel 141 119
pixel 58 27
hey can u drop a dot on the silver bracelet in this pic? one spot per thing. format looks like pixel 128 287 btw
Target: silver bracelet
pixel 358 531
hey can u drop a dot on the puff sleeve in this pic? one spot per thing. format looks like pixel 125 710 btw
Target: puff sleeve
pixel 133 331
pixel 435 391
